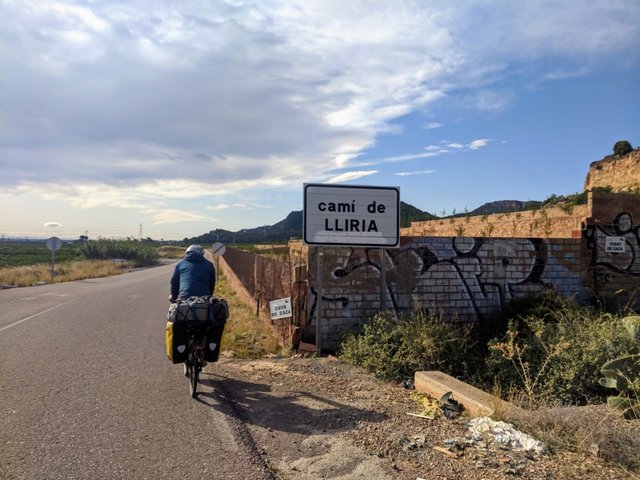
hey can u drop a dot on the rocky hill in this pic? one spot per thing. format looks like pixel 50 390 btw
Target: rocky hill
pixel 501 206
pixel 620 173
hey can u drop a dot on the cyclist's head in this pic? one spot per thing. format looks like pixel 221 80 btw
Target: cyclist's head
pixel 195 248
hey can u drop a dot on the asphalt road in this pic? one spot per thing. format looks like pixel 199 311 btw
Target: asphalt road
pixel 86 390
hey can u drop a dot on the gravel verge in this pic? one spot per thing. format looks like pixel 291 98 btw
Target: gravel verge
pixel 319 418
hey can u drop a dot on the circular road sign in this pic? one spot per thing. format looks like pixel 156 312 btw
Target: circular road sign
pixel 54 244
pixel 218 249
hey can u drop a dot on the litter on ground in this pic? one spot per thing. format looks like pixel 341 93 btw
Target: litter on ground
pixel 488 430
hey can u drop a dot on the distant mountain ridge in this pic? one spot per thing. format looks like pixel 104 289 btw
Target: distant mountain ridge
pixel 291 226
pixel 503 206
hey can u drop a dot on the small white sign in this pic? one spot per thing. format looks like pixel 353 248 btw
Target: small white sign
pixel 280 308
pixel 351 215
pixel 54 244
pixel 218 249
pixel 614 244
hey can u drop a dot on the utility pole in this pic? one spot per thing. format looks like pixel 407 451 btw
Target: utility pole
pixel 140 234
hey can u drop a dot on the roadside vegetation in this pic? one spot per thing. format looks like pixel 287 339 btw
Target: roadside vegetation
pixel 16 254
pixel 547 356
pixel 40 273
pixel 29 263
pixel 244 334
pixel 140 254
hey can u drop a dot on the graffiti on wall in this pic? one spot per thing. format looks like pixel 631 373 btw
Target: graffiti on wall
pixel 460 278
pixel 604 265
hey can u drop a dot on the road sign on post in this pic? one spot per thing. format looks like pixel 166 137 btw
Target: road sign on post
pixel 54 244
pixel 218 249
pixel 351 215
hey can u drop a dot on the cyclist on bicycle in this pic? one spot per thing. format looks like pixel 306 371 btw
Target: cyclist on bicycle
pixel 193 276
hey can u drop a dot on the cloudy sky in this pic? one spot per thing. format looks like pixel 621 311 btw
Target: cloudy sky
pixel 179 117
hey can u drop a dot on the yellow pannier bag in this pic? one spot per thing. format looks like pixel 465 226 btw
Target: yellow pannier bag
pixel 176 341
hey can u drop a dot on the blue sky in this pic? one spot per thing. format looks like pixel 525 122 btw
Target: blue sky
pixel 184 117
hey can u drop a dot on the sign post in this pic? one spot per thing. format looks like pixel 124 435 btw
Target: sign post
pixel 280 308
pixel 350 216
pixel 217 250
pixel 54 244
pixel 319 302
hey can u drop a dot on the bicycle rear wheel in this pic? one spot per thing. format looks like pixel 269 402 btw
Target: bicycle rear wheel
pixel 193 380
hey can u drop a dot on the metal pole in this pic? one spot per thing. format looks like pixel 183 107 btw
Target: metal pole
pixel 383 281
pixel 53 262
pixel 319 302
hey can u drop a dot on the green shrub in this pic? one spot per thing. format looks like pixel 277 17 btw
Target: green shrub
pixel 622 147
pixel 558 353
pixel 136 252
pixel 395 347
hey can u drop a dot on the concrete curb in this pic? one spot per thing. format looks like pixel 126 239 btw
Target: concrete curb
pixel 476 402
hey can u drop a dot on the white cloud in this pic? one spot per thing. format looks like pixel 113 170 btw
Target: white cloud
pixel 220 206
pixel 170 216
pixel 348 176
pixel 479 143
pixel 414 156
pixel 419 172
pixel 53 225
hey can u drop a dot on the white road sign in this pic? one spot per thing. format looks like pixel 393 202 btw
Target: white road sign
pixel 54 244
pixel 218 249
pixel 280 308
pixel 351 215
pixel 614 244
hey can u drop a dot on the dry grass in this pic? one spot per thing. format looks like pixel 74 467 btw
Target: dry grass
pixel 244 334
pixel 171 251
pixel 596 430
pixel 63 272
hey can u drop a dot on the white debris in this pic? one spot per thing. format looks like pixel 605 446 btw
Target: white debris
pixel 486 429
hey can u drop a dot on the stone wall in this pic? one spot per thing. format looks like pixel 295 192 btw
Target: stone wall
pixel 621 173
pixel 556 222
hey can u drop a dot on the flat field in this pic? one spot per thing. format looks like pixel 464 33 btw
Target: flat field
pixel 18 254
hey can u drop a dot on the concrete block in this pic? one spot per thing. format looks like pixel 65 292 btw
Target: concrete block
pixel 476 402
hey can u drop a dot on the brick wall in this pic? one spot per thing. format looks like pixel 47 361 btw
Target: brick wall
pixel 461 278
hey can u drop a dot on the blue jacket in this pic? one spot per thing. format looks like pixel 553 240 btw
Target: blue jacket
pixel 194 276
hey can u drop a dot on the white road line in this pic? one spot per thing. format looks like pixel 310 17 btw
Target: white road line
pixel 31 316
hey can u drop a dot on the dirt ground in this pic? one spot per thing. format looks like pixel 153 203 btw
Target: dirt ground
pixel 319 418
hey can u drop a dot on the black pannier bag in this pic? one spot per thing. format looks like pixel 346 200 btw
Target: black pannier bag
pixel 213 311
pixel 219 310
pixel 212 342
pixel 219 314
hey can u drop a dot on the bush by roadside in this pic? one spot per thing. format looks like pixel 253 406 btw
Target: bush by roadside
pixel 395 347
pixel 558 356
pixel 546 357
pixel 139 253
